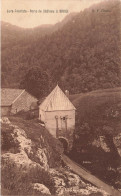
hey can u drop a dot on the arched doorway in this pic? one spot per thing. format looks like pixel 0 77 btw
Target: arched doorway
pixel 64 143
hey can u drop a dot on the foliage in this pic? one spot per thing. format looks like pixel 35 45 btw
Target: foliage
pixel 18 181
pixel 7 140
pixel 83 55
pixel 35 82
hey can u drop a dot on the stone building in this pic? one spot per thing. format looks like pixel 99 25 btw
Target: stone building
pixel 15 100
pixel 58 115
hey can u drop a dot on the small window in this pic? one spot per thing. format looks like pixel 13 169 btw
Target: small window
pixel 64 118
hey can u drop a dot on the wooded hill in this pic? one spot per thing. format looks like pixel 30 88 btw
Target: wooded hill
pixel 81 55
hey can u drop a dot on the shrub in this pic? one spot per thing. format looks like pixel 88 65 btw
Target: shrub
pixel 7 141
pixel 39 175
pixel 18 181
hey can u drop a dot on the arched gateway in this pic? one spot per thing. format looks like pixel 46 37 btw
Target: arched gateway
pixel 65 143
pixel 58 114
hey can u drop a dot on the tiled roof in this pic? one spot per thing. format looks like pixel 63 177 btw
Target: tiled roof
pixel 8 96
pixel 56 100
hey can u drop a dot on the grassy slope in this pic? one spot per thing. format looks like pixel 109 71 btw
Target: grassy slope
pixel 94 107
pixel 105 93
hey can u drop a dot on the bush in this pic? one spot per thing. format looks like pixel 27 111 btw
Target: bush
pixel 39 175
pixel 7 141
pixel 18 181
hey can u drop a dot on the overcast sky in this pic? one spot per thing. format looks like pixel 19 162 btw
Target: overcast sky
pixel 30 19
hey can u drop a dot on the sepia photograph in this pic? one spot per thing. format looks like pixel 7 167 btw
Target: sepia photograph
pixel 60 98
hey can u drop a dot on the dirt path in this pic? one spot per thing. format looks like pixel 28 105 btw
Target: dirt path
pixel 89 177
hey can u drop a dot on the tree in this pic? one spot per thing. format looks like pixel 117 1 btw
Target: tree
pixel 36 82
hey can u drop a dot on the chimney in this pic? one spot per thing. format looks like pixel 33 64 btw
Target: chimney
pixel 67 93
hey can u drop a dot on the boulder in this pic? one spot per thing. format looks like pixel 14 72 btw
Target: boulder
pixel 41 155
pixel 59 182
pixel 117 142
pixel 75 191
pixel 103 144
pixel 20 137
pixel 5 120
pixel 41 188
pixel 61 191
pixel 89 190
pixel 100 142
pixel 73 179
pixel 20 160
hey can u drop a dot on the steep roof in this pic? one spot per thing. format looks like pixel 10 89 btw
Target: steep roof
pixel 56 100
pixel 8 96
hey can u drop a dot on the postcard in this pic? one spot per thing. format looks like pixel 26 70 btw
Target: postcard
pixel 60 98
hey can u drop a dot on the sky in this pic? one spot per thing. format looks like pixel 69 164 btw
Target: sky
pixel 32 13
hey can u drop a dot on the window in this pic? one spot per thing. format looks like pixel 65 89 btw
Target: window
pixel 64 118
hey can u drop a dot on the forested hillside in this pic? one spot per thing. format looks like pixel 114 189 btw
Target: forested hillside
pixel 82 55
pixel 13 35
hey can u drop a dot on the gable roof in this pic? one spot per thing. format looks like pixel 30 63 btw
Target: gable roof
pixel 56 100
pixel 9 96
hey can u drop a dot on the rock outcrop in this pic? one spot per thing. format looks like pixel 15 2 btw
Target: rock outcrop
pixel 62 179
pixel 40 188
pixel 25 147
pixel 67 182
pixel 117 142
pixel 101 142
